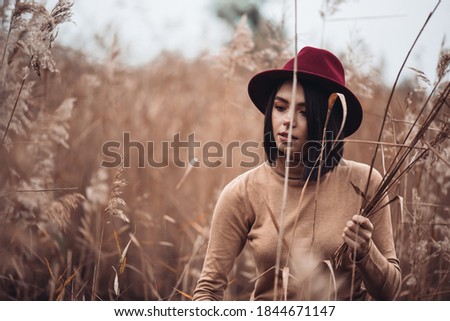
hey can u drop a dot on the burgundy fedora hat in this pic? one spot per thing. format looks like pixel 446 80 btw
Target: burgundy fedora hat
pixel 314 65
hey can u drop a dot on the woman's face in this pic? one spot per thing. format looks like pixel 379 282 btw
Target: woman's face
pixel 281 122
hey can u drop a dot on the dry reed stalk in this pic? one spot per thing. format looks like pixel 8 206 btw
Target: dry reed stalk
pixel 116 204
pixel 58 284
pixel 27 72
pixel 197 244
pixel 188 170
pixel 97 265
pixel 114 208
pixel 184 294
pixel 56 189
pixel 331 102
pixel 333 284
pixel 318 162
pixel 286 171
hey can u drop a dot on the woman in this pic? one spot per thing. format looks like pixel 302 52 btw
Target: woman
pixel 323 197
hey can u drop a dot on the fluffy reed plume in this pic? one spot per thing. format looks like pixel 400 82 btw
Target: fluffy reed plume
pixel 442 68
pixel 58 212
pixel 116 203
pixel 34 36
pixel 16 100
pixel 17 22
pixel 32 200
pixel 239 51
pixel 359 74
pixel 38 32
pixel 114 209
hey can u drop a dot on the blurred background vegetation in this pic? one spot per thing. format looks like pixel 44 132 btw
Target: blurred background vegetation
pixel 72 230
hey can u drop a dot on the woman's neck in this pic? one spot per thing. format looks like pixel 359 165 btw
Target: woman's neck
pixel 296 168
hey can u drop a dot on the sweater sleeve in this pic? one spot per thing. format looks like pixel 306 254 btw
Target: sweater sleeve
pixel 229 229
pixel 380 267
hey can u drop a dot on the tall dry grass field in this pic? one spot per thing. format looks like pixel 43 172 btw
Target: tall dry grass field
pixel 74 230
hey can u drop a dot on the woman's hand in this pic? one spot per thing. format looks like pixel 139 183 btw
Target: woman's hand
pixel 357 234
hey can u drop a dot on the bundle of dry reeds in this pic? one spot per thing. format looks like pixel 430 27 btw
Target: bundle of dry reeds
pixel 407 155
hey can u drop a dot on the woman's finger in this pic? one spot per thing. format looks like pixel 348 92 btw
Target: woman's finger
pixel 363 221
pixel 360 235
pixel 361 247
pixel 352 230
pixel 352 244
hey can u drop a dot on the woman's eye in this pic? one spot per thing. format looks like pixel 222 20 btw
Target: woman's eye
pixel 280 108
pixel 302 112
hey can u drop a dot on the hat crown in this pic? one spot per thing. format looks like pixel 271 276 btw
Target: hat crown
pixel 318 62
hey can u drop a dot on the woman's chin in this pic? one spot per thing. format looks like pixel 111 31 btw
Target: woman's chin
pixel 294 157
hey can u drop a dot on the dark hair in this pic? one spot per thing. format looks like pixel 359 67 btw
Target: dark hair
pixel 316 100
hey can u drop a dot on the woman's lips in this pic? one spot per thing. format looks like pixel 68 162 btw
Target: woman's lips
pixel 284 136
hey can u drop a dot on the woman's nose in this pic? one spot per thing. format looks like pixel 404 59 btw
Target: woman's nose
pixel 287 121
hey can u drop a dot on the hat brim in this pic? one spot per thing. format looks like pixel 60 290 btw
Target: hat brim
pixel 262 84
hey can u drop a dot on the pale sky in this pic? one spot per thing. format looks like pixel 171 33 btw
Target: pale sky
pixel 190 27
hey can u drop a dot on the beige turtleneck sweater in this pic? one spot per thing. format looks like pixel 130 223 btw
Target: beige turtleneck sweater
pixel 251 203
